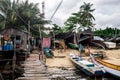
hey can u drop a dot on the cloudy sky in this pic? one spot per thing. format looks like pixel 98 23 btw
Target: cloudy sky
pixel 107 12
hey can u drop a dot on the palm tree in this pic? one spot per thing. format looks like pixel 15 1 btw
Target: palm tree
pixel 4 10
pixel 18 14
pixel 8 13
pixel 83 18
pixel 86 15
pixel 70 23
pixel 57 29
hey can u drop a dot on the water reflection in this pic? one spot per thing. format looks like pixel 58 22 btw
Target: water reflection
pixel 104 77
pixel 74 74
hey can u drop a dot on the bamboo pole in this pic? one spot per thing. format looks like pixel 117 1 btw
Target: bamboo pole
pixel 14 60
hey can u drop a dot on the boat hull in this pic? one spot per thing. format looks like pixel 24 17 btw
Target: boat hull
pixel 107 69
pixel 84 70
pixel 48 53
pixel 87 70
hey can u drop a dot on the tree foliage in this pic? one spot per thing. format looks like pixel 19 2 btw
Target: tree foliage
pixel 83 18
pixel 57 29
pixel 71 23
pixel 110 32
pixel 18 13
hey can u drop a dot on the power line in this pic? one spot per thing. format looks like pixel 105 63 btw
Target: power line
pixel 56 9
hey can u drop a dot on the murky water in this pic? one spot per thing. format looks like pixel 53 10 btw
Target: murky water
pixel 65 74
pixel 79 75
pixel 86 77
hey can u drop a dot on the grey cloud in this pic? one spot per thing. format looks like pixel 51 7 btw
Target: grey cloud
pixel 108 2
pixel 65 10
pixel 107 11
pixel 68 4
pixel 58 21
pixel 105 20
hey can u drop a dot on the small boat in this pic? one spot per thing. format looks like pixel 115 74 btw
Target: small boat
pixel 110 44
pixel 48 52
pixel 73 46
pixel 109 67
pixel 86 66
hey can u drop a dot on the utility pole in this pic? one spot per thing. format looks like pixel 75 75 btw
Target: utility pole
pixel 42 15
pixel 43 7
pixel 40 32
pixel 28 45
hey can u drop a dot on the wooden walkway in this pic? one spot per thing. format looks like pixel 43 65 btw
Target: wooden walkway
pixel 34 69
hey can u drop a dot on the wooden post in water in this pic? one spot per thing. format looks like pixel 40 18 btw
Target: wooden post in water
pixel 41 55
pixel 1 78
pixel 29 36
pixel 14 59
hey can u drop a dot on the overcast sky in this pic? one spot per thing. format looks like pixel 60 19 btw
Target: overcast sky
pixel 107 12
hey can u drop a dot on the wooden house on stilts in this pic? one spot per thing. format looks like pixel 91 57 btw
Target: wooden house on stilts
pixel 13 48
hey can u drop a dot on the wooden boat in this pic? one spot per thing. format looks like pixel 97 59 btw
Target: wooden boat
pixel 86 66
pixel 110 68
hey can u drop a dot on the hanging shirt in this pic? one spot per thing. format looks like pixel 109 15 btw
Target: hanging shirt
pixel 46 42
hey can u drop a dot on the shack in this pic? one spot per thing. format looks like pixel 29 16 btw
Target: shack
pixel 13 47
pixel 85 37
pixel 20 36
pixel 66 38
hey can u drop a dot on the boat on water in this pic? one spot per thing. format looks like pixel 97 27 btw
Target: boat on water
pixel 86 66
pixel 108 67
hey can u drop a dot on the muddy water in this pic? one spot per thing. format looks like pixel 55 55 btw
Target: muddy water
pixel 86 77
pixel 61 74
pixel 75 74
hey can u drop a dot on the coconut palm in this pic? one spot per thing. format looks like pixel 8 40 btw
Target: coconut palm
pixel 57 29
pixel 18 14
pixel 82 19
pixel 86 15
pixel 8 13
pixel 71 23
